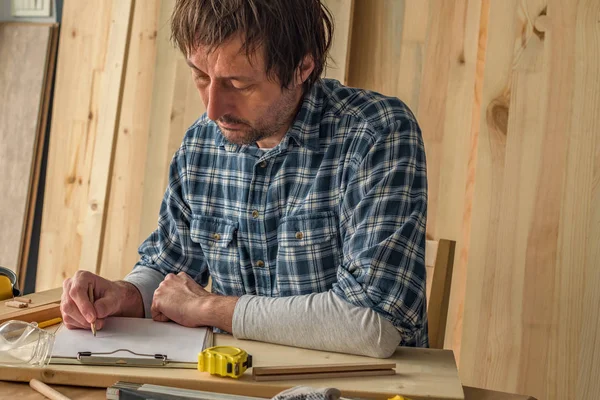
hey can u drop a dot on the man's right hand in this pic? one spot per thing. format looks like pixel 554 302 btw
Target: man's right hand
pixel 111 298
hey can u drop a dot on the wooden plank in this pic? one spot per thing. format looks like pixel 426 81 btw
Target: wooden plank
pixel 175 106
pixel 439 296
pixel 533 264
pixel 84 106
pixel 109 113
pixel 121 237
pixel 388 39
pixel 447 103
pixel 303 369
pixel 420 373
pixel 37 314
pixel 339 54
pixel 39 152
pixel 25 59
pixel 37 299
pixel 323 375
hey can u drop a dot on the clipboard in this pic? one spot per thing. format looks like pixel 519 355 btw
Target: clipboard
pixel 104 359
pixel 132 342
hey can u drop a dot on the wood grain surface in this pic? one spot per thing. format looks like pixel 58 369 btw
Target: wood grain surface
pixel 337 65
pixel 124 209
pixel 86 100
pixel 531 315
pixel 175 106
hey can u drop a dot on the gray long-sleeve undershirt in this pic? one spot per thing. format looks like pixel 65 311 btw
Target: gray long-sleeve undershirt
pixel 320 321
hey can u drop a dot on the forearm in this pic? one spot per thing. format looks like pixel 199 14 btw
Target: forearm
pixel 320 321
pixel 145 280
pixel 132 304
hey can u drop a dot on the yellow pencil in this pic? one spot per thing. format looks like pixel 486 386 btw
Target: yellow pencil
pixel 50 322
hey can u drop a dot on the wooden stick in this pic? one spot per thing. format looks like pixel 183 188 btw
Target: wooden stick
pixel 293 372
pixel 15 304
pixel 303 369
pixel 22 299
pixel 47 390
pixel 323 375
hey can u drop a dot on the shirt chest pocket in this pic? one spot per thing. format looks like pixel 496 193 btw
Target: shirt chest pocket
pixel 308 253
pixel 217 238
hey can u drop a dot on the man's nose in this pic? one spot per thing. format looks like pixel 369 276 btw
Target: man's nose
pixel 216 105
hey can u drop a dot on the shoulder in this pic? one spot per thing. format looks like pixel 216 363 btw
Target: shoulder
pixel 374 110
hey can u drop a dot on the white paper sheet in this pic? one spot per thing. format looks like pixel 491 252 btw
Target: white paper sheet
pixel 140 335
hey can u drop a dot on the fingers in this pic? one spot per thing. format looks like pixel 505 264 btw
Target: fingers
pixel 79 293
pixel 70 313
pixel 76 308
pixel 157 315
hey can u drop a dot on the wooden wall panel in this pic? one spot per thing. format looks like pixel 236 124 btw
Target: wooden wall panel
pixel 85 113
pixel 430 55
pixel 531 315
pixel 26 67
pixel 387 47
pixel 175 106
pixel 337 66
pixel 127 183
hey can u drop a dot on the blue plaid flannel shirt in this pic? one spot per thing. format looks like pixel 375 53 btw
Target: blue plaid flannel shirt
pixel 340 204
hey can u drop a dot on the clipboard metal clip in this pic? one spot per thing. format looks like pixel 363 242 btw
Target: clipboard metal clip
pixel 87 357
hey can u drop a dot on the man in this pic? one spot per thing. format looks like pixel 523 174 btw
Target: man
pixel 303 200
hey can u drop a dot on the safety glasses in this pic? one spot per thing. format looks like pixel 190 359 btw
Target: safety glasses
pixel 24 344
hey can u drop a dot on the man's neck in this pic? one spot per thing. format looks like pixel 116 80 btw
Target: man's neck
pixel 275 139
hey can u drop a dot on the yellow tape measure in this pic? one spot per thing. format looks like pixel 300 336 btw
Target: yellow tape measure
pixel 224 361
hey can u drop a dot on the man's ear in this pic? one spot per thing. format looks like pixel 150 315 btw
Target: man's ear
pixel 304 70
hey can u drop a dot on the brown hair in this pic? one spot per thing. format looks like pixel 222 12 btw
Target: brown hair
pixel 288 30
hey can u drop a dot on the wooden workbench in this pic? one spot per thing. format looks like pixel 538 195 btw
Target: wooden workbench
pixel 420 373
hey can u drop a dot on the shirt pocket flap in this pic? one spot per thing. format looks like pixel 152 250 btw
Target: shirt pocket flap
pixel 212 231
pixel 306 229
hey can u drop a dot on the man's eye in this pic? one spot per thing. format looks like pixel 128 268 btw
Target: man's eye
pixel 241 88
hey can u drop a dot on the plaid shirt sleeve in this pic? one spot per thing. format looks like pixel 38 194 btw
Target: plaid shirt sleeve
pixel 383 215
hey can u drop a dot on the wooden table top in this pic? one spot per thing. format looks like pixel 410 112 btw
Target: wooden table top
pixel 435 368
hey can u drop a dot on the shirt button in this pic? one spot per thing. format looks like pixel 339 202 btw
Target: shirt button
pixel 255 214
pixel 216 236
pixel 260 263
pixel 263 164
pixel 299 235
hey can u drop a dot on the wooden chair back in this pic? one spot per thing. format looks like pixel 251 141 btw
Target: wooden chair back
pixel 439 261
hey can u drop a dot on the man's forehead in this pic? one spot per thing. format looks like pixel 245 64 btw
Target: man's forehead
pixel 229 56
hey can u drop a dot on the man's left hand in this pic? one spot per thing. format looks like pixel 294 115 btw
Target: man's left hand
pixel 180 299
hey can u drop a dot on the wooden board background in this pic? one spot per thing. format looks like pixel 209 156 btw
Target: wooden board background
pixel 175 106
pixel 86 99
pixel 337 66
pixel 531 316
pixel 26 65
pixel 126 198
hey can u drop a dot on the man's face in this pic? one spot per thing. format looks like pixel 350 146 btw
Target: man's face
pixel 246 106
